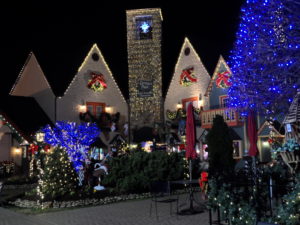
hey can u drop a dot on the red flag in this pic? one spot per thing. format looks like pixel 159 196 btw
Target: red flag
pixel 252 134
pixel 190 152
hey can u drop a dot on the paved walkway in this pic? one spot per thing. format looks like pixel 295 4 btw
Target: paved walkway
pixel 123 213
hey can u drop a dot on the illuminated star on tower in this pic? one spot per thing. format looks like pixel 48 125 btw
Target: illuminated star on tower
pixel 145 27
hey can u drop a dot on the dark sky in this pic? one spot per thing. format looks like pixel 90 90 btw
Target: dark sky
pixel 61 35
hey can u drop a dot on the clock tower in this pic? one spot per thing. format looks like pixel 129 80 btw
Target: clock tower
pixel 144 66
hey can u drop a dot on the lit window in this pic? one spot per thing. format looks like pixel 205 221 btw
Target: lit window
pixel 143 27
pixel 95 108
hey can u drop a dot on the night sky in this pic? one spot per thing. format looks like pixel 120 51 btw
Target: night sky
pixel 61 36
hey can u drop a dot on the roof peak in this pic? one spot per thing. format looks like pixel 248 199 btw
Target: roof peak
pixel 31 57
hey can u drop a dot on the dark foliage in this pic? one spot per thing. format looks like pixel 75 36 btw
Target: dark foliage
pixel 133 173
pixel 220 149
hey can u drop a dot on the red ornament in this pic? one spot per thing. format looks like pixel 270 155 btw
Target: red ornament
pixel 46 148
pixel 33 148
pixel 182 147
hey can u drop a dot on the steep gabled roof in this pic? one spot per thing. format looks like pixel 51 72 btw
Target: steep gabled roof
pixel 6 125
pixel 31 79
pixel 186 44
pixel 24 114
pixel 221 62
pixel 266 127
pixel 116 138
pixel 95 49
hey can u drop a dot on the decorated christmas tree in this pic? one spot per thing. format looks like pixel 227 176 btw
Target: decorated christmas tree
pixel 288 212
pixel 265 58
pixel 75 138
pixel 58 179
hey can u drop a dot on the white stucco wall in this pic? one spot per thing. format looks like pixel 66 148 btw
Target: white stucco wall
pixel 32 82
pixel 78 93
pixel 176 91
pixel 7 144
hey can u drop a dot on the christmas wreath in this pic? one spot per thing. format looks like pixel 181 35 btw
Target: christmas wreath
pixel 187 77
pixel 97 82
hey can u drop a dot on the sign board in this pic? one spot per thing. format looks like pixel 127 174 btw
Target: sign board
pixel 145 88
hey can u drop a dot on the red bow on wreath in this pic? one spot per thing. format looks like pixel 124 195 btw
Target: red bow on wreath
pixel 187 76
pixel 223 77
pixel 97 82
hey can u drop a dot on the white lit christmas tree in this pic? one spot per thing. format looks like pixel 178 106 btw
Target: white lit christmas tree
pixel 58 179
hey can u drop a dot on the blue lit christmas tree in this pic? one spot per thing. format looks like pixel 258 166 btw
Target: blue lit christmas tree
pixel 76 139
pixel 265 58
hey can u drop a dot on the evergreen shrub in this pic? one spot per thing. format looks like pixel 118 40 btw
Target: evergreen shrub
pixel 133 173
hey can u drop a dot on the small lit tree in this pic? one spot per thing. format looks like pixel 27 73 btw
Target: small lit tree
pixel 58 179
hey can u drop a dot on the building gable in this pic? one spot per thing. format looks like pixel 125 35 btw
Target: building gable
pixel 266 128
pixel 93 83
pixel 220 81
pixel 189 81
pixel 31 79
pixel 94 63
pixel 32 82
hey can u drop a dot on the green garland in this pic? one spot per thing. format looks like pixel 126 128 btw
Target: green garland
pixel 233 208
pixel 240 212
pixel 289 212
pixel 172 115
